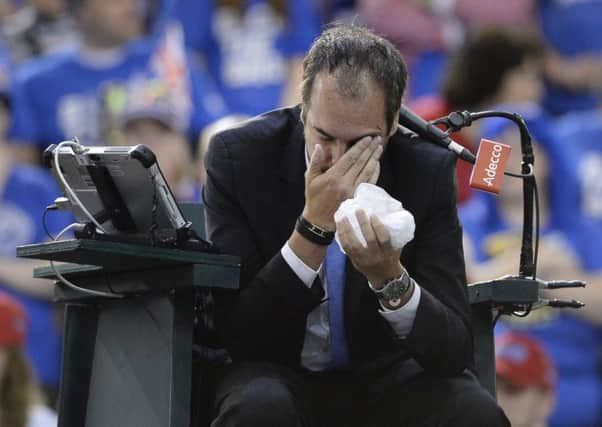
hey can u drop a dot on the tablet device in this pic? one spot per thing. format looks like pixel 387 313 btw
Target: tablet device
pixel 123 188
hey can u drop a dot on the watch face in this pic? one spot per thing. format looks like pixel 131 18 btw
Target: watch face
pixel 394 290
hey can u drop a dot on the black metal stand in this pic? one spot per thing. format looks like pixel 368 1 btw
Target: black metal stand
pixel 128 361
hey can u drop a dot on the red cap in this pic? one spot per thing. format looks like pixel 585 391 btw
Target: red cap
pixel 13 321
pixel 520 360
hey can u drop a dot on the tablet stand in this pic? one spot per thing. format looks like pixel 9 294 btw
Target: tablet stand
pixel 128 361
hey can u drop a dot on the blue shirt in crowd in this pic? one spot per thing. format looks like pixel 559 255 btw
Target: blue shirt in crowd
pixel 572 28
pixel 71 94
pixel 248 55
pixel 27 192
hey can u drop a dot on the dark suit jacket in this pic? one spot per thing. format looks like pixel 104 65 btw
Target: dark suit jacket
pixel 253 195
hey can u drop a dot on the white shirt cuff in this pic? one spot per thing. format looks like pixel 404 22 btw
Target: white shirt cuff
pixel 302 270
pixel 402 319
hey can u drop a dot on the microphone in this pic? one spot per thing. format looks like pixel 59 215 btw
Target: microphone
pixel 432 133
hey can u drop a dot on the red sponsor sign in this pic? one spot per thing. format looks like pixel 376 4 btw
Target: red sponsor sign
pixel 488 171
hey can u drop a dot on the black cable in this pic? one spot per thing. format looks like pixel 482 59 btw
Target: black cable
pixel 536 243
pixel 44 215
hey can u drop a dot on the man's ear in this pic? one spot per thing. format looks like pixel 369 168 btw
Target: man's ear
pixel 302 116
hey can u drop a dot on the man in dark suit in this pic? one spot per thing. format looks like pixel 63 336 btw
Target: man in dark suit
pixel 380 337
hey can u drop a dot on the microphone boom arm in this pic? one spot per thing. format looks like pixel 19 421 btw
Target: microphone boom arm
pixel 528 256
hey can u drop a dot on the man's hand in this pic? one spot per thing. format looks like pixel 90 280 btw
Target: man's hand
pixel 326 189
pixel 379 261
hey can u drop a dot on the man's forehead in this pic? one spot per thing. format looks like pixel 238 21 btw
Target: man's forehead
pixel 330 103
pixel 346 124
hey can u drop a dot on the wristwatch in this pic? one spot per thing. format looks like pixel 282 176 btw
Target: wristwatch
pixel 392 292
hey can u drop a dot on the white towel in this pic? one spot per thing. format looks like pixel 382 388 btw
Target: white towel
pixel 375 201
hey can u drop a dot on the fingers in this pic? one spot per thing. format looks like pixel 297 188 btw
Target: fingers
pixel 382 234
pixel 316 163
pixel 365 226
pixel 360 164
pixel 347 236
pixel 361 150
pixel 369 156
pixel 370 168
pixel 374 178
pixel 349 241
pixel 378 262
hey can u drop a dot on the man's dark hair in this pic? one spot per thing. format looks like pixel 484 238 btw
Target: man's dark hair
pixel 351 53
pixel 477 69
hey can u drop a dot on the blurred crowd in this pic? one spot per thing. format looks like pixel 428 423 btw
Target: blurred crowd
pixel 170 73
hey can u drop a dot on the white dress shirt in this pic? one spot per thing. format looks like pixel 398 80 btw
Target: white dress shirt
pixel 315 354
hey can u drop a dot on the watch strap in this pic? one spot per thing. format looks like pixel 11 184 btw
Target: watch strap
pixel 314 233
